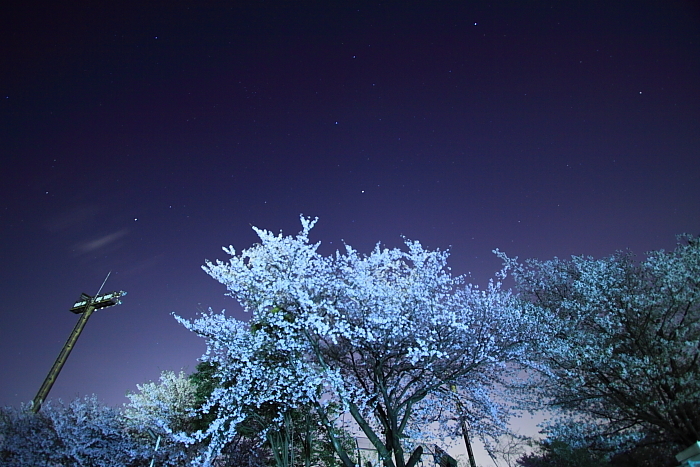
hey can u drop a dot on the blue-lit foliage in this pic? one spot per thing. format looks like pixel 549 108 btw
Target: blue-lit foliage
pixel 81 433
pixel 625 349
pixel 384 336
pixel 161 410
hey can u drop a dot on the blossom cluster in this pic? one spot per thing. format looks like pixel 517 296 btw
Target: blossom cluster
pixel 382 335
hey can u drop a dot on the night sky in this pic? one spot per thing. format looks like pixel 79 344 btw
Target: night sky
pixel 140 139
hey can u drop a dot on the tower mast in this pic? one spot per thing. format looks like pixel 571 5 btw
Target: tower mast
pixel 84 307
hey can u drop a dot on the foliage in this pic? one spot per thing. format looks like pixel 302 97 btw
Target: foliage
pixel 300 440
pixel 204 381
pixel 650 451
pixel 243 452
pixel 383 336
pixel 559 453
pixel 625 346
pixel 163 409
pixel 163 406
pixel 81 433
pixel 87 433
pixel 565 451
pixel 168 408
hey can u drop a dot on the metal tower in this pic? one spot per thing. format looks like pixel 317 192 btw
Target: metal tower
pixel 84 306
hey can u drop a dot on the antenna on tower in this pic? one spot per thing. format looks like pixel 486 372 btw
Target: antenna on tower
pixel 103 283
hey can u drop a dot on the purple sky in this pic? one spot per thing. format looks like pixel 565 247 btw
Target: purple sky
pixel 142 138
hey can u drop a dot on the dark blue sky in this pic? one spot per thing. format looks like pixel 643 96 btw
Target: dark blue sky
pixel 141 138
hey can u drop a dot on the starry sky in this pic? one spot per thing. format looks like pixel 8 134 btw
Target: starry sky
pixel 139 138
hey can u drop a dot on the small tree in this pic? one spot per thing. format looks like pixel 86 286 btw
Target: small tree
pixel 169 410
pixel 626 342
pixel 165 406
pixel 382 335
pixel 164 409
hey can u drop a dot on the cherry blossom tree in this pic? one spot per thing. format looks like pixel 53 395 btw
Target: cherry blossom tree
pixel 165 405
pixel 384 336
pixel 83 432
pixel 168 407
pixel 163 409
pixel 625 354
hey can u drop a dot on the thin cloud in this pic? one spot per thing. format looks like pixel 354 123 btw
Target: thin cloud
pixel 92 245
